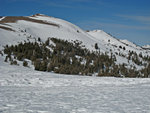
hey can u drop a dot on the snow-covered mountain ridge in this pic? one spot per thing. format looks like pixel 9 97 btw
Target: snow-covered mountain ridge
pixel 17 29
pixel 146 47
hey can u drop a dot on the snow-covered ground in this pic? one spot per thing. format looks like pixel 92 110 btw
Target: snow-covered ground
pixel 23 90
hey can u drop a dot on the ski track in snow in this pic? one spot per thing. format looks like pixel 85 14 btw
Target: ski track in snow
pixel 28 91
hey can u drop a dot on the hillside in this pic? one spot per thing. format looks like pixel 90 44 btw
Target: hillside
pixel 14 30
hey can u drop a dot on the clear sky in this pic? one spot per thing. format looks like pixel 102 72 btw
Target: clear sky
pixel 124 19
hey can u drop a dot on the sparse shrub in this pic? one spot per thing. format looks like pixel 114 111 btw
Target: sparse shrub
pixel 96 46
pixel 124 48
pixel 6 59
pixel 47 42
pixel 13 62
pixel 120 47
pixel 25 63
pixel 39 39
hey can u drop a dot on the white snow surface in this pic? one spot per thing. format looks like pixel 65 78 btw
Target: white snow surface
pixel 146 46
pixel 23 90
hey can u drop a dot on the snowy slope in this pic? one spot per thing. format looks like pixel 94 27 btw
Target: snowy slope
pixel 23 90
pixel 113 43
pixel 146 46
pixel 65 30
pixel 33 27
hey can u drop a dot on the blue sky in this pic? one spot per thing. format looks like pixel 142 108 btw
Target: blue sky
pixel 124 19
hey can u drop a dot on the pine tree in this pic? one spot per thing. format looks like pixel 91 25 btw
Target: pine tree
pixel 39 39
pixel 25 63
pixel 47 42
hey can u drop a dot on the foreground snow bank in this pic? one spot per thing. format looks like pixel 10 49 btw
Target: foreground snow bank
pixel 25 90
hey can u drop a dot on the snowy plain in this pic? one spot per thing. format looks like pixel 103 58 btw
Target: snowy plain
pixel 23 90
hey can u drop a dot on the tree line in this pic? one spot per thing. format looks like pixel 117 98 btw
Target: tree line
pixel 64 57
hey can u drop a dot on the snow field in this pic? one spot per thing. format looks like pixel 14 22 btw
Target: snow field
pixel 28 91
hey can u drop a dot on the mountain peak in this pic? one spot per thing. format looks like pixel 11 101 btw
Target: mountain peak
pixel 38 14
pixel 98 31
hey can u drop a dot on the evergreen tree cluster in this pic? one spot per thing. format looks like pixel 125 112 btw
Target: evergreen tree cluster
pixel 71 58
pixel 135 58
